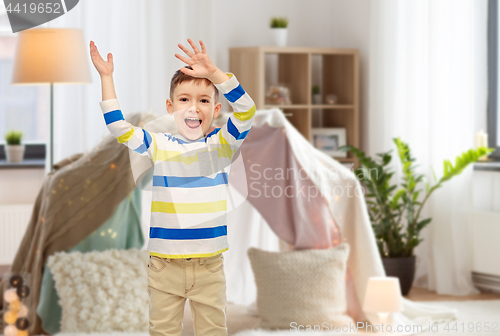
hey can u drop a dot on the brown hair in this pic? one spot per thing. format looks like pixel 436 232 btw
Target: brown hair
pixel 180 77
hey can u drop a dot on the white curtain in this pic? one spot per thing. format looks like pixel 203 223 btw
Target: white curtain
pixel 427 85
pixel 143 38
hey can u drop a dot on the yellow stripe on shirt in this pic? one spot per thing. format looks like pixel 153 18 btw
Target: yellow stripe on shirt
pixel 225 148
pixel 176 156
pixel 182 256
pixel 155 149
pixel 188 208
pixel 126 137
pixel 243 116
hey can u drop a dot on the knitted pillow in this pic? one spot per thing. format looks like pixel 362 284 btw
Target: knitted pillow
pixel 102 291
pixel 302 286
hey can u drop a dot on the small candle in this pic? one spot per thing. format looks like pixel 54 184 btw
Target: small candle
pixel 482 141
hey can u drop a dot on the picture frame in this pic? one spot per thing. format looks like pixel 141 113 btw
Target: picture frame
pixel 329 140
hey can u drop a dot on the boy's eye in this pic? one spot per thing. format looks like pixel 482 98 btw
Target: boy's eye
pixel 204 100
pixel 183 99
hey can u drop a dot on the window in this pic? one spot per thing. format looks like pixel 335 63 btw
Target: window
pixel 493 79
pixel 22 107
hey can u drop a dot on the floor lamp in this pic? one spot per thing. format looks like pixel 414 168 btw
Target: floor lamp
pixel 54 56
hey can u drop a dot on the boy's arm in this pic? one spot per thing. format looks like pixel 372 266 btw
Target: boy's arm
pixel 234 132
pixel 240 122
pixel 136 138
pixel 108 87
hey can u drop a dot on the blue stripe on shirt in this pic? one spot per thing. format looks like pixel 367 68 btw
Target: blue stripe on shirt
pixel 147 138
pixel 141 149
pixel 113 116
pixel 189 182
pixel 234 131
pixel 234 94
pixel 214 132
pixel 183 234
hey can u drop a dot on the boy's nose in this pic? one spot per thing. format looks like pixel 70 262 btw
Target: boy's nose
pixel 193 108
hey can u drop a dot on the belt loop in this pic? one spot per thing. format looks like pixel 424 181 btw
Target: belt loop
pixel 167 260
pixel 202 261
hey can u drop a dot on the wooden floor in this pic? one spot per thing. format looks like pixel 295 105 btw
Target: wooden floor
pixel 416 293
pixel 423 294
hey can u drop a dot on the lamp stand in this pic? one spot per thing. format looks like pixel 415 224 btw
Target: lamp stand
pixel 51 126
pixel 385 319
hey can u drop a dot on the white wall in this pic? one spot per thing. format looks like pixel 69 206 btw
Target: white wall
pixel 312 23
pixel 319 23
pixel 20 186
pixel 486 227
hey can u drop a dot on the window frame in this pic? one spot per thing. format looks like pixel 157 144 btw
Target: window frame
pixel 493 65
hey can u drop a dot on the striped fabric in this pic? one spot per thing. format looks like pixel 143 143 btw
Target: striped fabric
pixel 190 178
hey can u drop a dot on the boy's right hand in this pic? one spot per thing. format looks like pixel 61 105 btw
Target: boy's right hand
pixel 104 68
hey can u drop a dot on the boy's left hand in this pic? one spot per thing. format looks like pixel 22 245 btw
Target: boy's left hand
pixel 201 63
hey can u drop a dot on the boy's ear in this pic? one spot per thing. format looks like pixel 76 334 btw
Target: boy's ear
pixel 170 107
pixel 217 110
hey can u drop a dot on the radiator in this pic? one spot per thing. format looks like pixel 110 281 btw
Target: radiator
pixel 14 220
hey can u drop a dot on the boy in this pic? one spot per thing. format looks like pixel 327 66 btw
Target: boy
pixel 188 212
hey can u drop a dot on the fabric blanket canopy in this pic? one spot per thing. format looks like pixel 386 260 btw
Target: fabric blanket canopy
pixel 311 213
pixel 308 199
pixel 80 196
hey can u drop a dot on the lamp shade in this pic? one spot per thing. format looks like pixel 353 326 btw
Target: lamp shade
pixel 51 55
pixel 383 295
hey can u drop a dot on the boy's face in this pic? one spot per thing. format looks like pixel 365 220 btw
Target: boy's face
pixel 193 106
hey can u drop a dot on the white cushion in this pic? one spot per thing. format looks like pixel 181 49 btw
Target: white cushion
pixel 102 291
pixel 301 286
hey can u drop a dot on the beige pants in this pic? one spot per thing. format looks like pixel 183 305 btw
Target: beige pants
pixel 172 281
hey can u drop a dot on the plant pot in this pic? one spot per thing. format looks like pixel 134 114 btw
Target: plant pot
pixel 403 269
pixel 279 36
pixel 15 153
pixel 316 98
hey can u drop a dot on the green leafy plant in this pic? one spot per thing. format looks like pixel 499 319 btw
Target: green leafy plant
pixel 390 206
pixel 279 22
pixel 315 89
pixel 13 137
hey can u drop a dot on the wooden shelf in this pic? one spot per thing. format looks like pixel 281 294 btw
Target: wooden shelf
pixel 312 106
pixel 336 106
pixel 335 70
pixel 294 50
pixel 292 106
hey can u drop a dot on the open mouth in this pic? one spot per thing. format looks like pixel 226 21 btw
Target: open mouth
pixel 193 122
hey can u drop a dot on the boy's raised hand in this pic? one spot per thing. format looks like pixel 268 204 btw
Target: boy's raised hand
pixel 199 61
pixel 104 68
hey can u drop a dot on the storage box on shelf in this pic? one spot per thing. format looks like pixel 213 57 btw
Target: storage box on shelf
pixel 335 71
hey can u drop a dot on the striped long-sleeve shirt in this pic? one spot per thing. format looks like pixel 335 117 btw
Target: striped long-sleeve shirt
pixel 190 177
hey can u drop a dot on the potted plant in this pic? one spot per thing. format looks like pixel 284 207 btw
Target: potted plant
pixel 393 206
pixel 316 95
pixel 14 150
pixel 279 30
